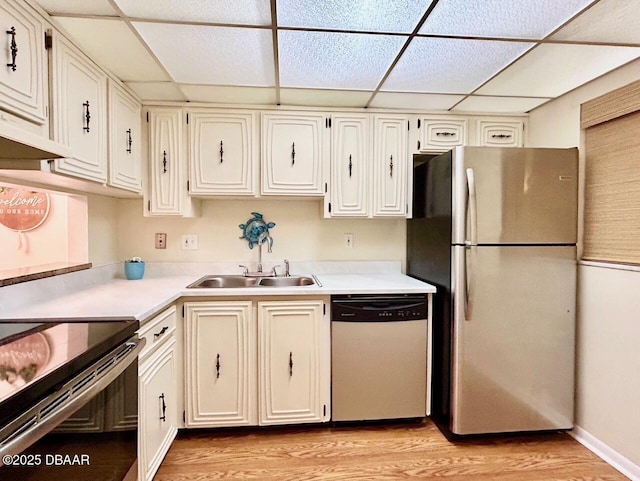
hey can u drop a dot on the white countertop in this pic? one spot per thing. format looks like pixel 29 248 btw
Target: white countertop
pixel 141 299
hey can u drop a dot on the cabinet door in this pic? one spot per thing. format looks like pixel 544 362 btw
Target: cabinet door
pixel 390 166
pixel 440 135
pixel 350 165
pixel 294 147
pixel 500 133
pixel 124 139
pixel 24 71
pixel 157 407
pixel 223 150
pixel 293 341
pixel 80 112
pixel 220 364
pixel 166 170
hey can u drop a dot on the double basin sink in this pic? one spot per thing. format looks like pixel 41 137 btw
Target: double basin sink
pixel 234 281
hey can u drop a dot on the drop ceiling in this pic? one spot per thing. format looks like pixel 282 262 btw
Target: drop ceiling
pixel 505 56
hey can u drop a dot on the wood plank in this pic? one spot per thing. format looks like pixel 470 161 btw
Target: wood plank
pixel 377 453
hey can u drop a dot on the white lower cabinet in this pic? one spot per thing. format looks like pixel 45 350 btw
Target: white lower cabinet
pixel 250 363
pixel 220 364
pixel 293 362
pixel 157 394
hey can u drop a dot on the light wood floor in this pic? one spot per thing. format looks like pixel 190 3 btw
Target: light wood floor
pixel 381 452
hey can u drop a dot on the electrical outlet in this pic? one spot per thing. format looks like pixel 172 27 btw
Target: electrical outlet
pixel 348 241
pixel 161 240
pixel 189 242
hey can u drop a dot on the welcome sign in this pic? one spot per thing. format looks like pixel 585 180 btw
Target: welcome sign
pixel 22 210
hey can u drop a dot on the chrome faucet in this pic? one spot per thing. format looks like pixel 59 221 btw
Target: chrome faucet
pixel 286 268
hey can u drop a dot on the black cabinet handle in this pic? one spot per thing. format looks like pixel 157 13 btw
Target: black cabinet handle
pixel 293 153
pixel 218 366
pixel 163 418
pixel 14 49
pixel 87 116
pixel 129 141
pixel 221 152
pixel 162 331
pixel 444 134
pixel 164 161
pixel 501 136
pixel 350 166
pixel 290 364
pixel 391 166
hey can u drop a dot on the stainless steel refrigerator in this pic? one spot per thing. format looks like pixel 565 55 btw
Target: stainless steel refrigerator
pixel 495 230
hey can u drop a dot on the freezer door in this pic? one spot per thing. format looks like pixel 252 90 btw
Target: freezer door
pixel 522 195
pixel 513 339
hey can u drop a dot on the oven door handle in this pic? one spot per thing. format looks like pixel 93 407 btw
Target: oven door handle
pixel 54 409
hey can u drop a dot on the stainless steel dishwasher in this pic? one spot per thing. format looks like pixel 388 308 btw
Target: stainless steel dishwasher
pixel 378 357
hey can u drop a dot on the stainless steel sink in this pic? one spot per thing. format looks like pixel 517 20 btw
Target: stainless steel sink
pixel 208 282
pixel 286 281
pixel 234 281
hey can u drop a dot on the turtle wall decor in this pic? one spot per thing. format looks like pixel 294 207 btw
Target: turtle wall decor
pixel 256 231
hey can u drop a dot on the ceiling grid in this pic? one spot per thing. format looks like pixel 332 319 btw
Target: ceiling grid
pixel 502 56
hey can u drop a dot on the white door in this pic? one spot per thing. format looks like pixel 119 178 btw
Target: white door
pixel 23 74
pixel 124 140
pixel 166 170
pixel 293 340
pixel 350 165
pixel 223 151
pixel 390 166
pixel 80 112
pixel 294 151
pixel 220 364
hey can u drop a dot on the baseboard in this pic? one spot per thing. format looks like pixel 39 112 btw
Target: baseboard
pixel 610 455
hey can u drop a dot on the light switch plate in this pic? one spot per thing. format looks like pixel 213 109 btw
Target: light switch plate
pixel 189 242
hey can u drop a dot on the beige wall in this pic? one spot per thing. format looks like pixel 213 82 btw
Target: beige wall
pixel 608 358
pixel 103 230
pixel 300 233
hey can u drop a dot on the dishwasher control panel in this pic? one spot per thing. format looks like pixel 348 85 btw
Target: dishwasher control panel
pixel 379 307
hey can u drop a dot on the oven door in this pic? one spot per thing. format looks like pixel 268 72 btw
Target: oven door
pixel 86 430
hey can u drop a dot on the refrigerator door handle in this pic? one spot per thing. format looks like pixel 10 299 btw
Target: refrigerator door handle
pixel 468 294
pixel 472 209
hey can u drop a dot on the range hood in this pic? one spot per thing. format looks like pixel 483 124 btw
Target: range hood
pixel 17 145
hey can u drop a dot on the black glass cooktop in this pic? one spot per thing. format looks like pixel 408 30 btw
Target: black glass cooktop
pixel 37 357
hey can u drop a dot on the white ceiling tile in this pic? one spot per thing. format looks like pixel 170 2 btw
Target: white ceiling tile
pixel 126 56
pixel 368 15
pixel 398 100
pixel 607 21
pixel 447 65
pixel 244 12
pixel 212 55
pixel 324 98
pixel 553 69
pixel 229 95
pixel 505 105
pixel 81 7
pixel 335 60
pixel 150 91
pixel 501 18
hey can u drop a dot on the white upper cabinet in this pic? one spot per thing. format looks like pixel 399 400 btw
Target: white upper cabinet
pixel 351 163
pixel 23 75
pixel 500 133
pixel 79 112
pixel 223 152
pixel 390 161
pixel 167 190
pixel 294 153
pixel 439 134
pixel 124 139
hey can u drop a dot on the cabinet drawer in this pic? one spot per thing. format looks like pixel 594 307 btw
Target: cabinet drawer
pixel 500 134
pixel 442 135
pixel 157 330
